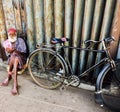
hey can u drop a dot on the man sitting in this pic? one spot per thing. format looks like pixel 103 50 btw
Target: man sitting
pixel 16 50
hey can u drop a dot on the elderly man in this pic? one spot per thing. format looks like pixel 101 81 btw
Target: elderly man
pixel 16 50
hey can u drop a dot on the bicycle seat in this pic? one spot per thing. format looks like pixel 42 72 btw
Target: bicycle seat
pixel 59 40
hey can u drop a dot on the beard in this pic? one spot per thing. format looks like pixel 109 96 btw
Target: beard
pixel 12 39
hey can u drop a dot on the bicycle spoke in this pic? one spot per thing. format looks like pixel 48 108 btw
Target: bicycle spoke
pixel 45 67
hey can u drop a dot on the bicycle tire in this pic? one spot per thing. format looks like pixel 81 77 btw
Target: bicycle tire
pixel 109 87
pixel 46 68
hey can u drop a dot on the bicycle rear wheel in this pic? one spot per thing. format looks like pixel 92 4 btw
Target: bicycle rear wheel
pixel 110 88
pixel 46 68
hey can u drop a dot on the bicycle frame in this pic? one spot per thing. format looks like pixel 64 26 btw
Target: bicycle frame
pixel 101 62
pixel 62 47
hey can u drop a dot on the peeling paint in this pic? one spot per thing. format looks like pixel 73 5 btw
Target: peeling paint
pixel 115 30
pixel 2 24
pixel 9 13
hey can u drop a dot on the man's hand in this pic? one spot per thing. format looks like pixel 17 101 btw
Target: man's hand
pixel 10 50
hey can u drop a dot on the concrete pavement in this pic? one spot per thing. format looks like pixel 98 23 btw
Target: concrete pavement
pixel 33 98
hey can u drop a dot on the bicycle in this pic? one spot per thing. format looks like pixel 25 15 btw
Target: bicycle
pixel 50 69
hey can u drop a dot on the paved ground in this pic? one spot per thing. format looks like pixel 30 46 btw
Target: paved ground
pixel 33 98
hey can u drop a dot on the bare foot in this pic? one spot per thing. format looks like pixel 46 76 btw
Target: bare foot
pixel 5 82
pixel 14 91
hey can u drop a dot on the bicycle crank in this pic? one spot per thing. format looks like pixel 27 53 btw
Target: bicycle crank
pixel 73 80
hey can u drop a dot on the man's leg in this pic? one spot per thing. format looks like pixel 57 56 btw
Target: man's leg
pixel 15 66
pixel 9 75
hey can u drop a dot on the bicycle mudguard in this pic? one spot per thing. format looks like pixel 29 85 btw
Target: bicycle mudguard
pixel 98 98
pixel 105 69
pixel 101 74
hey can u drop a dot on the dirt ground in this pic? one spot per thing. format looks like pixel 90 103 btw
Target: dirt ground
pixel 33 98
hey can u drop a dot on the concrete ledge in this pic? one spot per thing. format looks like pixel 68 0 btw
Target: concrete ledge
pixel 86 87
pixel 3 64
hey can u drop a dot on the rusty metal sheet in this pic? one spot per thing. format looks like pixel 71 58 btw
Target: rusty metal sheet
pixel 69 14
pixel 39 20
pixel 2 32
pixel 30 25
pixel 59 20
pixel 77 30
pixel 17 14
pixel 106 25
pixel 86 30
pixel 107 20
pixel 9 13
pixel 115 30
pixel 2 24
pixel 108 17
pixel 23 16
pixel 96 28
pixel 78 20
pixel 68 24
pixel 48 19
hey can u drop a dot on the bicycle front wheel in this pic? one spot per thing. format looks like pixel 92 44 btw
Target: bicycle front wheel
pixel 46 68
pixel 110 88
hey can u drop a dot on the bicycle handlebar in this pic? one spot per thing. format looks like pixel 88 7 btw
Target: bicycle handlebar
pixel 106 40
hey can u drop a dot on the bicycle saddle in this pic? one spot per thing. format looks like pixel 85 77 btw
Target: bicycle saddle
pixel 59 40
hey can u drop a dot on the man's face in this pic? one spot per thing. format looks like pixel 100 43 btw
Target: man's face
pixel 12 36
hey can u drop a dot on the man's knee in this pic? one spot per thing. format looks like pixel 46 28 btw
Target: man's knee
pixel 16 60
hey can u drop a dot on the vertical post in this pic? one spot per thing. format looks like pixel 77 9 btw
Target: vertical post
pixel 39 20
pixel 86 31
pixel 49 19
pixel 77 31
pixel 30 24
pixel 59 20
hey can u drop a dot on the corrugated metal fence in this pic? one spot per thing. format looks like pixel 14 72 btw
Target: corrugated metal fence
pixel 78 20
